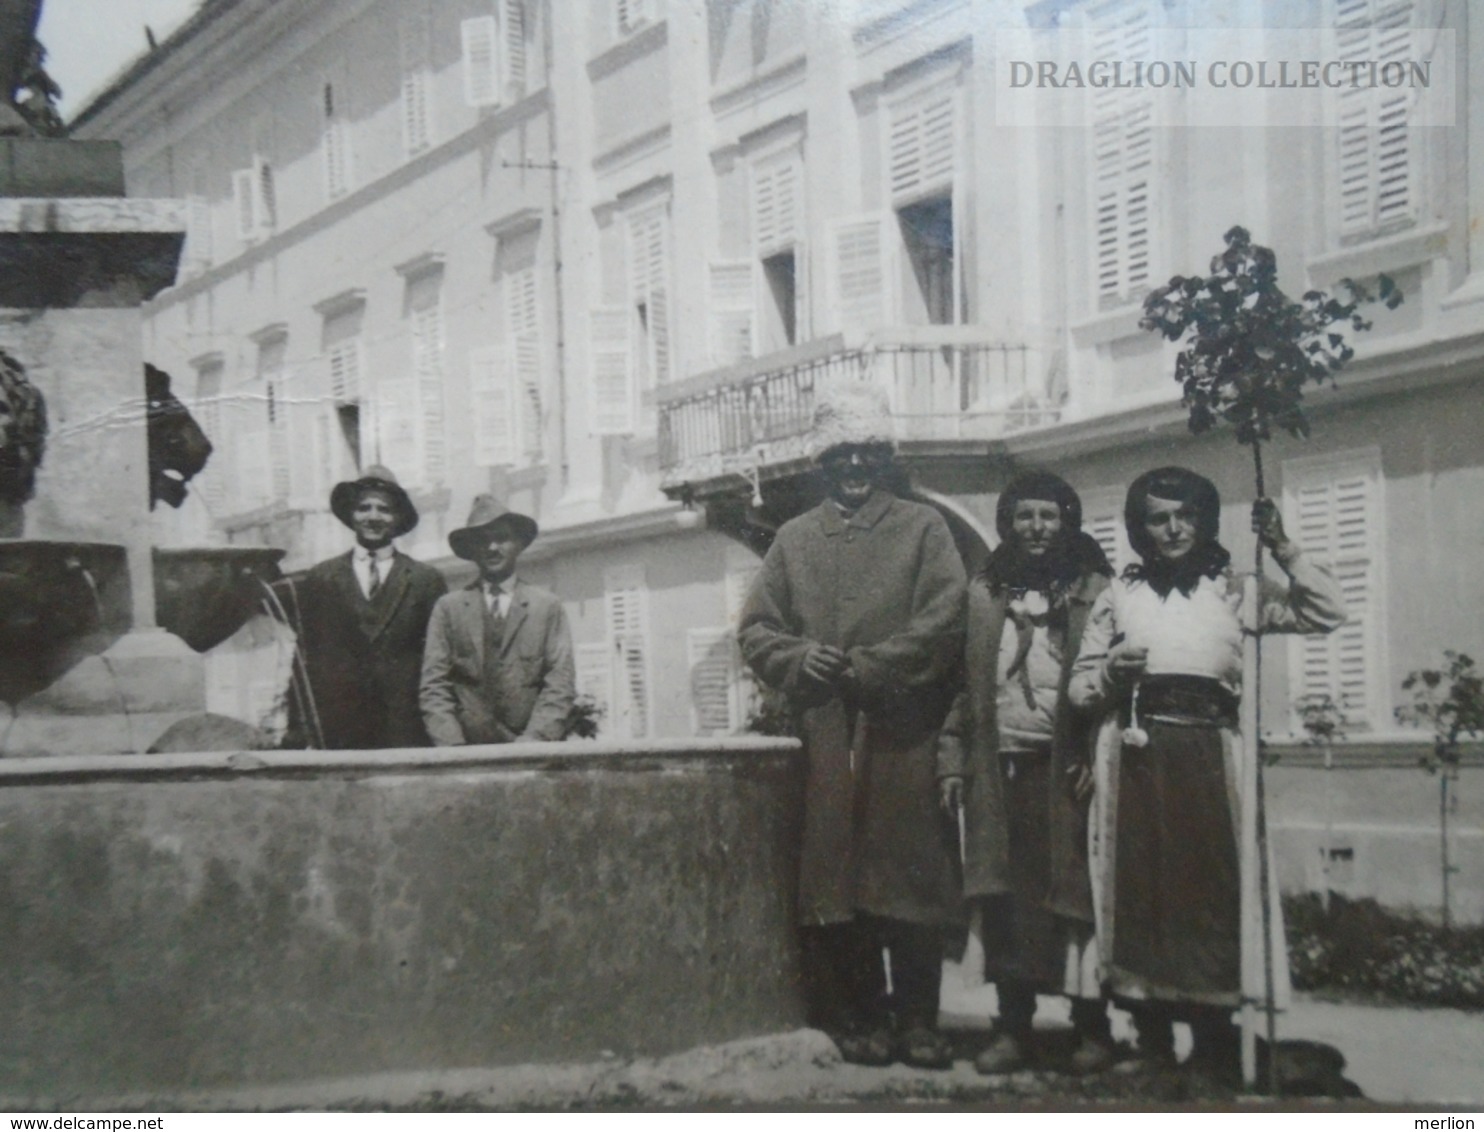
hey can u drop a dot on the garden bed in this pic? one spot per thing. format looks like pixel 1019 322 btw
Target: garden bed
pixel 1360 949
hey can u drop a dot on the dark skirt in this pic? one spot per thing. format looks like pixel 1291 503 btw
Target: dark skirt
pixel 1023 941
pixel 1177 891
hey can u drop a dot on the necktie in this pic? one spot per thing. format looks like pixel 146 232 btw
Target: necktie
pixel 375 580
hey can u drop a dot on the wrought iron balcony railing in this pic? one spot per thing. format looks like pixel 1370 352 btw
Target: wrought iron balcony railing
pixel 942 382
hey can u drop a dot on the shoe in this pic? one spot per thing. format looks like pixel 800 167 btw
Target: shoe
pixel 1003 1055
pixel 865 1047
pixel 924 1048
pixel 1093 1055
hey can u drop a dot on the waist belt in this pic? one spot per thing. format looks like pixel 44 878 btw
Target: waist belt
pixel 1187 701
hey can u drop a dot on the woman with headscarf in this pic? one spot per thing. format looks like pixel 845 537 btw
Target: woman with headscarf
pixel 1162 655
pixel 1019 757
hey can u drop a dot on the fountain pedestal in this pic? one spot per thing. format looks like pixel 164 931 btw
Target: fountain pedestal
pixel 74 271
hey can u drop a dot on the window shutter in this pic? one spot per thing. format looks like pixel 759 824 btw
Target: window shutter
pixel 512 47
pixel 303 417
pixel 613 391
pixel 1334 517
pixel 776 203
pixel 731 308
pixel 714 672
pixel 396 420
pixel 417 61
pixel 494 408
pixel 1375 160
pixel 481 61
pixel 594 664
pixel 859 277
pixel 1122 156
pixel 266 201
pixel 649 287
pixel 1107 528
pixel 345 371
pixel 921 145
pixel 245 203
pixel 526 356
pixel 427 366
pixel 626 600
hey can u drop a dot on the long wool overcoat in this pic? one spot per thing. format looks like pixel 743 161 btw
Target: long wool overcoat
pixel 970 747
pixel 364 658
pixel 885 585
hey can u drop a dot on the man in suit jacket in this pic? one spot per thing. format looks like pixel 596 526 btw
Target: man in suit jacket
pixel 498 665
pixel 363 617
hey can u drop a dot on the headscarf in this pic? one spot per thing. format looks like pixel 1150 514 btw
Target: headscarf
pixel 1206 559
pixel 1072 554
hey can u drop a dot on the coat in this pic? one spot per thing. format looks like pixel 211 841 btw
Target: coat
pixel 534 683
pixel 363 659
pixel 969 747
pixel 886 586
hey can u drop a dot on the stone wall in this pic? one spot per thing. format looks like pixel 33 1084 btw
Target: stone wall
pixel 181 922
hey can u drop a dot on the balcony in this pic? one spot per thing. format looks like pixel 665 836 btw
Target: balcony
pixel 944 383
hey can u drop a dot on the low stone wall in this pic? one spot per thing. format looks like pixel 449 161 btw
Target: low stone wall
pixel 189 922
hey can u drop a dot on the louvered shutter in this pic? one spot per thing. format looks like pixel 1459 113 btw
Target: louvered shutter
pixel 731 309
pixel 522 324
pixel 427 366
pixel 921 145
pixel 344 359
pixel 1122 155
pixel 649 287
pixel 335 148
pixel 417 61
pixel 481 61
pixel 1107 528
pixel 244 203
pixel 858 273
pixel 266 200
pixel 777 185
pixel 512 47
pixel 1375 161
pixel 1334 516
pixel 494 407
pixel 594 664
pixel 613 388
pixel 712 656
pixel 626 599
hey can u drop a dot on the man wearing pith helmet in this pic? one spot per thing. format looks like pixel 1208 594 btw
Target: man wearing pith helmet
pixel 857 616
pixel 498 666
pixel 363 617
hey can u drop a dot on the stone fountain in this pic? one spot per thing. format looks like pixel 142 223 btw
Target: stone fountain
pixel 88 661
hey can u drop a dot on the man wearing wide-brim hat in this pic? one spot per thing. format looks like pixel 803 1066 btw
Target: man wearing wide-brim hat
pixel 498 666
pixel 857 616
pixel 363 618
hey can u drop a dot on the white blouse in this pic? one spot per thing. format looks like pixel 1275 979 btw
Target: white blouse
pixel 1199 634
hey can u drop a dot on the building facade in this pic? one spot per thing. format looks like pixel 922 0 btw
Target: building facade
pixel 597 257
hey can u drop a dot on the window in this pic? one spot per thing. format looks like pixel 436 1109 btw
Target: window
pixel 425 305
pixel 417 80
pixel 341 445
pixel 858 276
pixel 927 237
pixel 253 199
pixel 506 377
pixel 649 293
pixel 614 390
pixel 272 378
pixel 494 55
pixel 1123 157
pixel 921 144
pixel 1332 509
pixel 626 602
pixel 1375 159
pixel 1102 518
pixel 777 226
pixel 335 145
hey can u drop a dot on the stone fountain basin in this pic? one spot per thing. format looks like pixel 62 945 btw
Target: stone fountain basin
pixel 59 602
pixel 205 594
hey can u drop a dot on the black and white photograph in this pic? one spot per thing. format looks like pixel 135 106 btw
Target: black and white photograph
pixel 720 555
